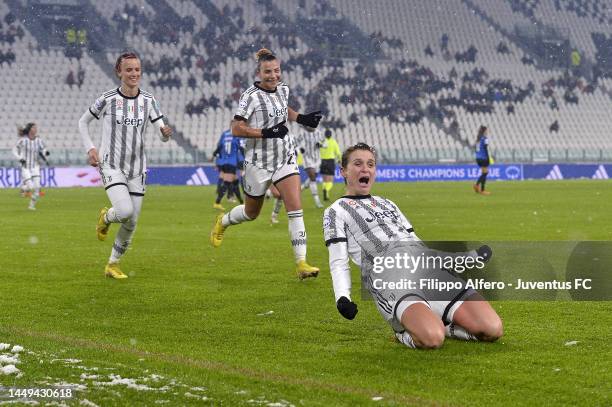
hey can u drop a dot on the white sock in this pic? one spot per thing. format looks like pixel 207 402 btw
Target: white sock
pixel 306 184
pixel 458 332
pixel 406 339
pixel 122 242
pixel 315 192
pixel 297 232
pixel 34 197
pixel 278 204
pixel 126 231
pixel 236 216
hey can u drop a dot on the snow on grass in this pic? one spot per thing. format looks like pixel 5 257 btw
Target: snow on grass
pixel 117 380
pixel 9 369
pixel 17 349
pixel 87 403
pixel 7 359
pixel 4 346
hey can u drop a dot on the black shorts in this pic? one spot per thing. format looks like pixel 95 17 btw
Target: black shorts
pixel 227 169
pixel 328 167
pixel 482 162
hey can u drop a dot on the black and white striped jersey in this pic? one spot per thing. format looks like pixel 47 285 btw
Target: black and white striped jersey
pixel 29 150
pixel 310 142
pixel 365 222
pixel 124 122
pixel 262 109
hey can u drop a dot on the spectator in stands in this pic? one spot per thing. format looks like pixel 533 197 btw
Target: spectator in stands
pixel 444 42
pixel 554 127
pixel 482 159
pixel 502 48
pixel 70 78
pixel 428 51
pixel 80 76
pixel 125 112
pixel 272 160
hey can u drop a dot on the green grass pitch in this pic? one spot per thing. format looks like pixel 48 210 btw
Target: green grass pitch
pixel 231 326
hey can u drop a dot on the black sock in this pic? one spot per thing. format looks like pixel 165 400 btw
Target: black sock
pixel 219 183
pixel 481 180
pixel 236 190
pixel 222 188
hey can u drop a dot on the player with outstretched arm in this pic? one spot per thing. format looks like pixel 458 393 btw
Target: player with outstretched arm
pixel 270 156
pixel 363 227
pixel 125 112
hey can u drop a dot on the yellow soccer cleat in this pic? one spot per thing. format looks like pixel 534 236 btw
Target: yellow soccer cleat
pixel 305 270
pixel 216 234
pixel 102 227
pixel 218 206
pixel 112 270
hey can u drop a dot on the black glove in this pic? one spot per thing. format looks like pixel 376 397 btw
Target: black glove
pixel 47 153
pixel 302 150
pixel 22 161
pixel 278 131
pixel 347 308
pixel 485 253
pixel 310 119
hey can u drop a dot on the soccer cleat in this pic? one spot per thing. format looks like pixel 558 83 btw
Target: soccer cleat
pixel 218 206
pixel 216 234
pixel 325 197
pixel 485 193
pixel 274 219
pixel 102 227
pixel 476 188
pixel 112 270
pixel 318 204
pixel 31 207
pixel 305 270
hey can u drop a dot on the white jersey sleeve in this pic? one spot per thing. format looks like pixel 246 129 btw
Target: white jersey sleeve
pixel 246 105
pixel 155 113
pixel 334 232
pixel 98 107
pixel 18 149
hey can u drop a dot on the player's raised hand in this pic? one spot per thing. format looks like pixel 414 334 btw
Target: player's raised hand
pixel 93 158
pixel 166 131
pixel 310 119
pixel 347 308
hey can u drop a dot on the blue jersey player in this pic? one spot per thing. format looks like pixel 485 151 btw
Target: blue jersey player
pixel 482 159
pixel 227 152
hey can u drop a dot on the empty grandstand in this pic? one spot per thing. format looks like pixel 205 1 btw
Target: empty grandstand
pixel 415 78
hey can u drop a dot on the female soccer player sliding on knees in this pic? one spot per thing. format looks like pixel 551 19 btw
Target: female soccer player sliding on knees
pixel 269 156
pixel 364 227
pixel 125 112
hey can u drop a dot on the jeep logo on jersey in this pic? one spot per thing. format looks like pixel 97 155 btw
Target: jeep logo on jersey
pixel 384 214
pixel 278 112
pixel 126 121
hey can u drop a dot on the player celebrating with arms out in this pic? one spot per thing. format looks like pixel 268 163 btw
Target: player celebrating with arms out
pixel 125 112
pixel 269 156
pixel 362 227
